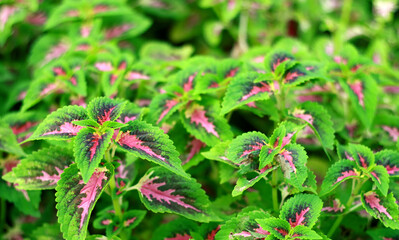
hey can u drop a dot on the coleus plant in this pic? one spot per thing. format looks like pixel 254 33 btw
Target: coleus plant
pixel 289 126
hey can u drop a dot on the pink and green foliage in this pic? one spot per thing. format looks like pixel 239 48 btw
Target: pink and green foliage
pixel 390 160
pixel 246 147
pixel 279 228
pixel 380 177
pixel 244 226
pixel 41 169
pixel 362 155
pixel 383 208
pixel 338 173
pixel 162 191
pixel 103 109
pixel 76 199
pixel 149 142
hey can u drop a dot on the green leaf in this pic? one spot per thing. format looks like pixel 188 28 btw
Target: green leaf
pixel 277 227
pixel 38 89
pixel 243 183
pixel 243 226
pixel 319 120
pixel 76 200
pixel 337 173
pixel 292 161
pixel 302 232
pixel 363 96
pixel 362 155
pixel 204 122
pixel 266 155
pixel 302 209
pixel 41 169
pixel 244 89
pixel 47 231
pixel 103 109
pixel 8 140
pixel 213 32
pixel 59 125
pixel 390 160
pixel 151 143
pixel 246 146
pixel 177 229
pixel 380 177
pixel 86 123
pixel 89 149
pixel 114 125
pixel 163 191
pixel 162 106
pixel 219 153
pixel 383 208
pixel 278 61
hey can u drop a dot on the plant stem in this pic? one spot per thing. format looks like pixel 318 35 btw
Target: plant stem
pixel 345 15
pixel 274 192
pixel 338 221
pixel 3 216
pixel 242 32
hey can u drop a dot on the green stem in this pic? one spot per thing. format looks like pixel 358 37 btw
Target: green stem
pixel 338 221
pixel 2 217
pixel 345 15
pixel 242 31
pixel 274 192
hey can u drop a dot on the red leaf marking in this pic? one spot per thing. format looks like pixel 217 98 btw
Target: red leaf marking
pixel 384 238
pixel 117 31
pixel 257 146
pixel 374 202
pixel 95 140
pixel 362 161
pixel 90 191
pixel 136 75
pixel 211 235
pixel 196 146
pixel 299 218
pixel 392 170
pixel 279 61
pixel 56 51
pixel 69 128
pixel 5 13
pixel 100 8
pixel 286 140
pixel 356 67
pixel 37 18
pixel 127 119
pixel 50 87
pixel 258 59
pixel 292 76
pixel 307 117
pixel 104 66
pixel 393 132
pixel 262 231
pixel 85 31
pixel 339 59
pixel 73 80
pixel 255 90
pixel 107 115
pixel 287 156
pixel 252 105
pixel 122 65
pixel 231 73
pixel 133 142
pixel 58 71
pixel 283 232
pixel 198 117
pixel 149 188
pixel 129 221
pixel 347 156
pixel 72 13
pixel 391 89
pixel 189 84
pixel 180 237
pixel 312 98
pixel 113 79
pixel 106 222
pixel 18 129
pixel 243 234
pixel 52 178
pixel 376 176
pixel 345 175
pixel 337 207
pixel 170 103
pixel 357 88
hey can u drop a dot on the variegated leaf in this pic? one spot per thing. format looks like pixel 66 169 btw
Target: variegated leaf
pixel 103 109
pixel 178 229
pixel 380 177
pixel 204 122
pixel 164 191
pixel 41 169
pixel 131 112
pixel 244 226
pixel 162 107
pixel 390 160
pixel 279 228
pixel 38 89
pixel 8 141
pixel 319 119
pixel 89 149
pixel 297 75
pixel 362 155
pixel 247 145
pixel 337 173
pixel 59 124
pixel 293 163
pixel 277 60
pixel 243 183
pixel 383 208
pixel 151 143
pixel 76 200
pixel 244 89
pixel 302 209
pixel 302 232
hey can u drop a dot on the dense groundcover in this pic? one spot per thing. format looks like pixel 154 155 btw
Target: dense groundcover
pixel 201 119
